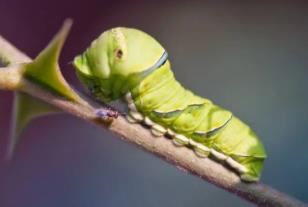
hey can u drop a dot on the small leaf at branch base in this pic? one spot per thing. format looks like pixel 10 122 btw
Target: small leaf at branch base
pixel 25 109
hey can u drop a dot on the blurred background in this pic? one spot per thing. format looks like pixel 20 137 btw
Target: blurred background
pixel 249 57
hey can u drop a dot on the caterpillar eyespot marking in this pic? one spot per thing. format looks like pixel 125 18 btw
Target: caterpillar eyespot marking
pixel 112 68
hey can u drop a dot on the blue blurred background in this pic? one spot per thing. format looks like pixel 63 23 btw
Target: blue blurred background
pixel 250 57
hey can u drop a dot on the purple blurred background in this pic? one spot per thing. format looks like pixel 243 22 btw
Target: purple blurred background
pixel 248 57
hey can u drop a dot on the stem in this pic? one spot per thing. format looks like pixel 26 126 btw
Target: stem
pixel 11 77
pixel 183 158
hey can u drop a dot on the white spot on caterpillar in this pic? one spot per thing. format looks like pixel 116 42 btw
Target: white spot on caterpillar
pixel 193 143
pixel 156 133
pixel 128 98
pixel 158 130
pixel 218 155
pixel 237 166
pixel 148 121
pixel 132 107
pixel 200 153
pixel 203 147
pixel 136 115
pixel 180 140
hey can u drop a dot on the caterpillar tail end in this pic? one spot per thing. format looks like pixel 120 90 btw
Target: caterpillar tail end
pixel 254 169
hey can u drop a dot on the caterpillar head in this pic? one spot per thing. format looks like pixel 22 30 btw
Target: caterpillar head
pixel 116 61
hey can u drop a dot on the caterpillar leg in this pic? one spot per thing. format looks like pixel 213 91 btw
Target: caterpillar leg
pixel 180 140
pixel 135 117
pixel 199 149
pixel 238 167
pixel 158 130
pixel 177 139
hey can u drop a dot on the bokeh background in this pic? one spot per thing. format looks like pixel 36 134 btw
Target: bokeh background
pixel 250 57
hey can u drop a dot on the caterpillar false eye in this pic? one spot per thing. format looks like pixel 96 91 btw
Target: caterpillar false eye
pixel 119 53
pixel 155 98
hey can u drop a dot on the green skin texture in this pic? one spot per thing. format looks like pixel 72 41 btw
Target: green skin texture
pixel 114 65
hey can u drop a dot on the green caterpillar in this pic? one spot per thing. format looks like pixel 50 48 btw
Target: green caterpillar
pixel 130 64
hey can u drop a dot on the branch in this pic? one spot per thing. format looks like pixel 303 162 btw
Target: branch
pixel 182 157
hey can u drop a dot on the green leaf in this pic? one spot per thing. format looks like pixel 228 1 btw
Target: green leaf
pixel 45 71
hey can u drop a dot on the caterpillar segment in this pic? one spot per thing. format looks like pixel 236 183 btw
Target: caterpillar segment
pixel 181 140
pixel 129 63
pixel 194 121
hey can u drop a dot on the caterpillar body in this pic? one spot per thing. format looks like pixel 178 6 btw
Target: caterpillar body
pixel 130 64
